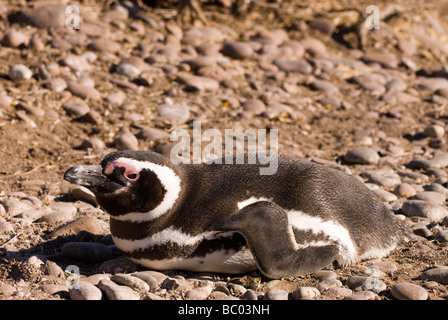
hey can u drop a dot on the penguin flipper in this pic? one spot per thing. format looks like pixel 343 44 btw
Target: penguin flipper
pixel 272 242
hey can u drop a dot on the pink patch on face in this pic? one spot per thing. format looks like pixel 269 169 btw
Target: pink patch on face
pixel 130 173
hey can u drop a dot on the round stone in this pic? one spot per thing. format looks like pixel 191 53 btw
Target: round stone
pixel 255 106
pixel 114 291
pixel 408 291
pixel 405 190
pixel 83 290
pixel 362 155
pixel 289 65
pixel 439 274
pixel 19 72
pixel 305 293
pixel 237 50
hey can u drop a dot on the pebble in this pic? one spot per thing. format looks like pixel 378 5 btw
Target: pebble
pixel 426 209
pixel 434 131
pixel 430 196
pixel 176 113
pixel 114 291
pixel 126 140
pixel 405 190
pixel 314 47
pixel 385 196
pixel 276 294
pixel 83 91
pixel 130 281
pixel 197 83
pixel 5 226
pixel 438 274
pixel 118 265
pixel 86 251
pixel 76 108
pixel 289 65
pixel 50 15
pixel 14 38
pixel 255 106
pixel 408 291
pixel 361 295
pixel 362 155
pixel 104 45
pixel 87 223
pixel 237 50
pixel 76 63
pixel 386 59
pixel 131 67
pixel 84 290
pixel 305 293
pixel 19 72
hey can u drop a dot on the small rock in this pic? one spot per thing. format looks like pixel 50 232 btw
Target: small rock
pixel 152 134
pixel 288 65
pixel 405 190
pixel 126 141
pixel 86 223
pixel 434 131
pixel 362 155
pixel 14 38
pixel 430 196
pixel 442 236
pixel 54 217
pixel 130 281
pixel 201 62
pixel 84 290
pixel 385 266
pixel 384 195
pixel 305 293
pixel 119 265
pixel 314 47
pixel 387 60
pixel 19 72
pixel 131 67
pixel 421 208
pixel 339 291
pixel 114 291
pixel 197 83
pixel 52 15
pixel 237 50
pixel 249 295
pixel 276 294
pixel 52 269
pixel 5 227
pixel 93 143
pixel 76 108
pixel 86 251
pixel 176 114
pixel 361 295
pixel 255 106
pixel 105 46
pixel 439 274
pixel 83 91
pixel 408 291
pixel 76 63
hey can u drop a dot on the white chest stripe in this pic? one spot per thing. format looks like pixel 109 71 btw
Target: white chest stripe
pixel 170 181
pixel 167 235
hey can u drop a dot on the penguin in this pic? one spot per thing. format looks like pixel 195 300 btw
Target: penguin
pixel 227 218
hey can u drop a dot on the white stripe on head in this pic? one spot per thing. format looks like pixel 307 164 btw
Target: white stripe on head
pixel 167 178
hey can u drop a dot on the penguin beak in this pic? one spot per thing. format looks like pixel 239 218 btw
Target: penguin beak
pixel 86 175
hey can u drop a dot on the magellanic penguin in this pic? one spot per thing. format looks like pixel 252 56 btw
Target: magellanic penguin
pixel 227 218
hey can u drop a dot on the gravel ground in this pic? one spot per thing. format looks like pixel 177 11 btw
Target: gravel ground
pixel 371 102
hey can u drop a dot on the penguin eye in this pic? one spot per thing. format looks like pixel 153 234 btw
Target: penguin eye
pixel 132 176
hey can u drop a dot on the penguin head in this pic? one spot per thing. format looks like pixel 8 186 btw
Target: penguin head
pixel 130 182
